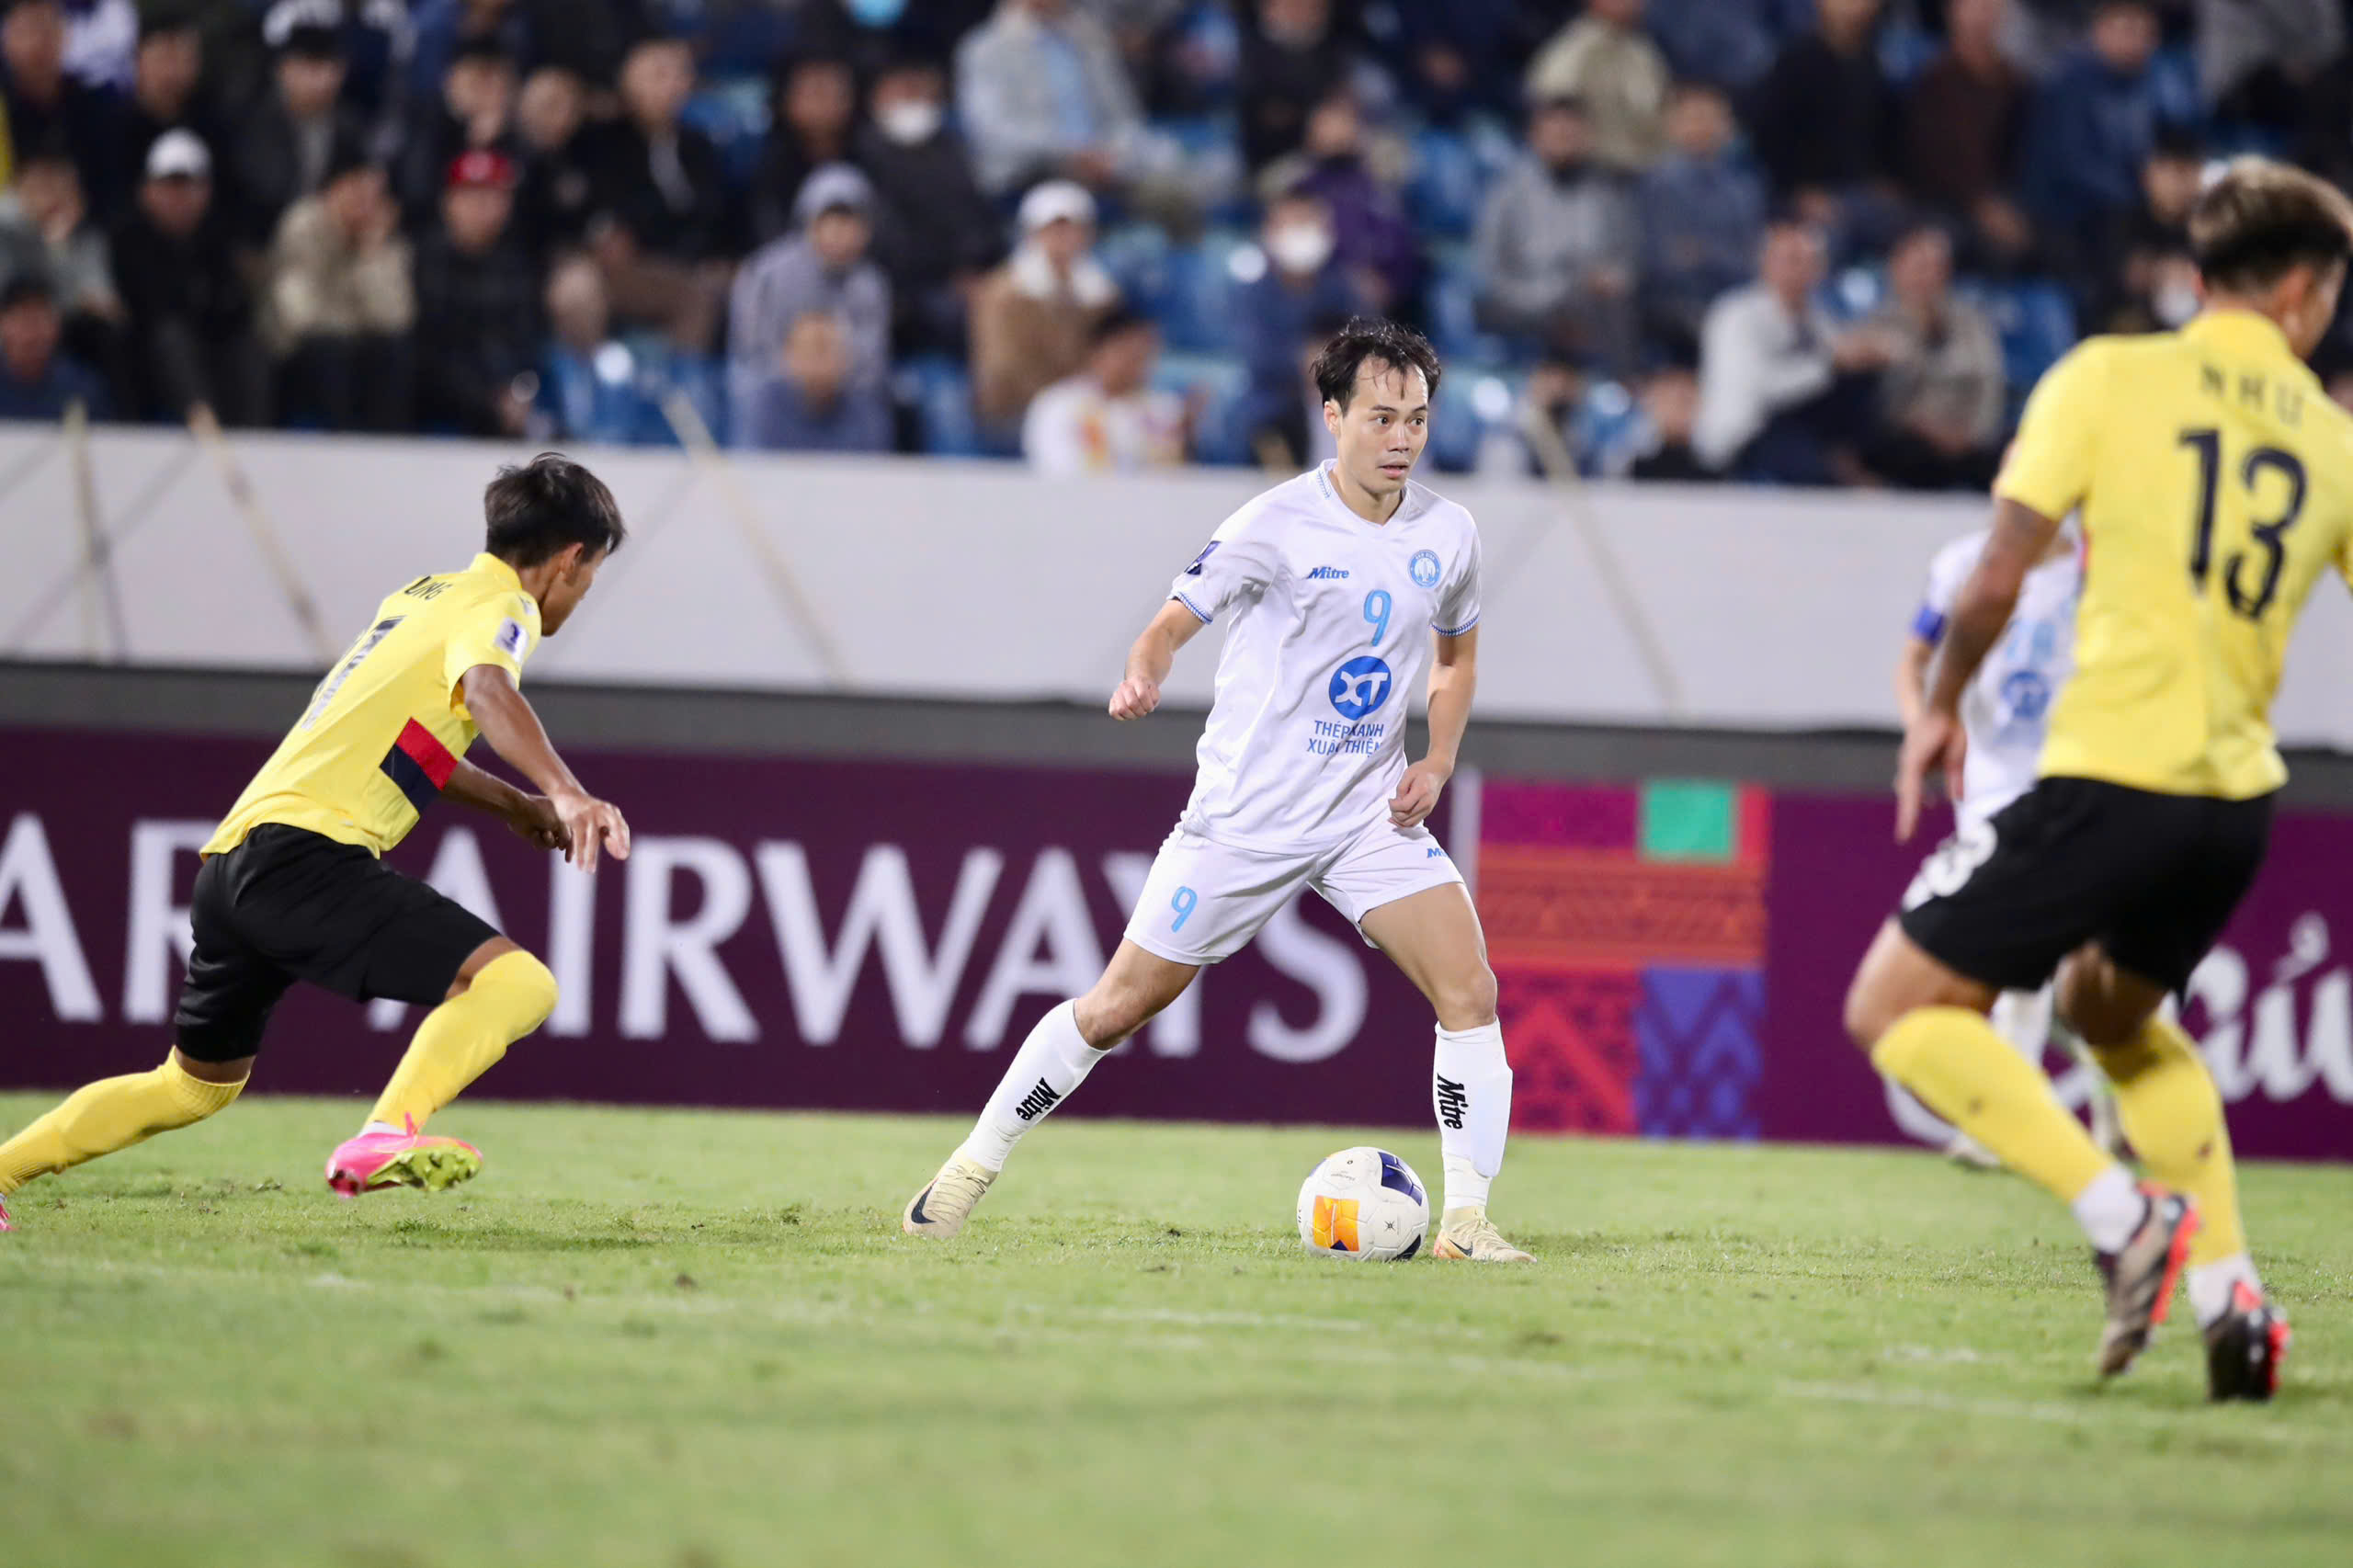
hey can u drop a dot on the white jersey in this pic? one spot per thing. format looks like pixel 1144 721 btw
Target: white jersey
pixel 1328 620
pixel 2007 709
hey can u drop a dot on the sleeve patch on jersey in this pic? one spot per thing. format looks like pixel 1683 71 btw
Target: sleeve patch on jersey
pixel 1928 626
pixel 1206 551
pixel 511 639
pixel 419 764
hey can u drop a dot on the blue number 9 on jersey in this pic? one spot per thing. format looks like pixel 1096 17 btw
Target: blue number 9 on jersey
pixel 1376 611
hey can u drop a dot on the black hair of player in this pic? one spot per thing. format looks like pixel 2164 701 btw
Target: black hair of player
pixel 540 508
pixel 2259 218
pixel 1377 339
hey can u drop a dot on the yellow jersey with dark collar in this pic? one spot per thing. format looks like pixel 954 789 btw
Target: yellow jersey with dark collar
pixel 2215 479
pixel 385 729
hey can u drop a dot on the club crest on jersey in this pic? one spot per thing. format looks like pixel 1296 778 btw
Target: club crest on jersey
pixel 1360 686
pixel 1424 568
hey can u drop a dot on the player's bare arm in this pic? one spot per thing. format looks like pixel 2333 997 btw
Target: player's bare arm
pixel 1912 677
pixel 1934 740
pixel 589 826
pixel 1150 660
pixel 532 817
pixel 1454 679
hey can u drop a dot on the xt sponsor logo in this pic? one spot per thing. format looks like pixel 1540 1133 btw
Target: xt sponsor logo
pixel 1453 1104
pixel 1037 1102
pixel 1360 686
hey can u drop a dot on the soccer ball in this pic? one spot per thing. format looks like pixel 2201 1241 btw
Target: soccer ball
pixel 1364 1203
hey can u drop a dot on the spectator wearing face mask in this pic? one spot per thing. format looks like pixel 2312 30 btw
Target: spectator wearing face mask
pixel 2141 277
pixel 1032 317
pixel 1107 417
pixel 936 234
pixel 1302 286
pixel 1557 243
pixel 1358 175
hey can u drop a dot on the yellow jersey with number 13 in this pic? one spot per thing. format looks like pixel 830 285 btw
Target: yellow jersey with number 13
pixel 2215 479
pixel 385 729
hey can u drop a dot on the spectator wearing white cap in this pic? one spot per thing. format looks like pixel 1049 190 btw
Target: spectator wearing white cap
pixel 821 269
pixel 191 339
pixel 1032 317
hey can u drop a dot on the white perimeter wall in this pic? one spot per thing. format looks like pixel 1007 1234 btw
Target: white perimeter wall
pixel 1775 608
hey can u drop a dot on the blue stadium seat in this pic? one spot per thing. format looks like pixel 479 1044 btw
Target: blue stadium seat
pixel 1453 306
pixel 1218 381
pixel 940 391
pixel 734 112
pixel 1446 184
pixel 2036 319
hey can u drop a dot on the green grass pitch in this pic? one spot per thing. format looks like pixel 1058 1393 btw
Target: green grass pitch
pixel 688 1340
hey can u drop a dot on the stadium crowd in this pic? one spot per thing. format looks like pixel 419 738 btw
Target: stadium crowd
pixel 1784 241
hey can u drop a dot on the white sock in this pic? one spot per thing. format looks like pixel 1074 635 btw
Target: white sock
pixel 1471 1093
pixel 2111 1210
pixel 2211 1285
pixel 1049 1064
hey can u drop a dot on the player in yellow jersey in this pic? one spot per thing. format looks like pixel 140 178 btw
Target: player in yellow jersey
pixel 2214 480
pixel 292 888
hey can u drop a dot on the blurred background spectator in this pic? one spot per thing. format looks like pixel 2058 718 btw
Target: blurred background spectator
pixel 38 379
pixel 341 303
pixel 1940 392
pixel 1568 195
pixel 1033 317
pixel 1558 242
pixel 477 306
pixel 191 316
pixel 821 270
pixel 1605 60
pixel 1107 417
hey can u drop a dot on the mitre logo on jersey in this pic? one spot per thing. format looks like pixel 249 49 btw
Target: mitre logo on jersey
pixel 1424 568
pixel 1360 686
pixel 1327 574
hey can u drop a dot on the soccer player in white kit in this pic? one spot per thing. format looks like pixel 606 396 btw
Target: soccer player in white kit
pixel 2006 712
pixel 1337 590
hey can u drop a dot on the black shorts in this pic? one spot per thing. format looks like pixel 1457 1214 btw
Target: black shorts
pixel 2152 878
pixel 288 904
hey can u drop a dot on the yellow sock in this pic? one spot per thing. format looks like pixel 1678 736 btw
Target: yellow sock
pixel 1965 1071
pixel 462 1039
pixel 111 1114
pixel 2174 1117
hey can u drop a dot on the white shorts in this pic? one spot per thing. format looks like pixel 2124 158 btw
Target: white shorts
pixel 1204 901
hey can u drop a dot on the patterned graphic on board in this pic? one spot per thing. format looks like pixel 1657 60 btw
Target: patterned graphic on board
pixel 1628 929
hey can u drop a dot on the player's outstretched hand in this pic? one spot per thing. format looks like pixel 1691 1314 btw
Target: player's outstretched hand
pixel 1135 698
pixel 591 825
pixel 536 822
pixel 1936 743
pixel 1418 793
